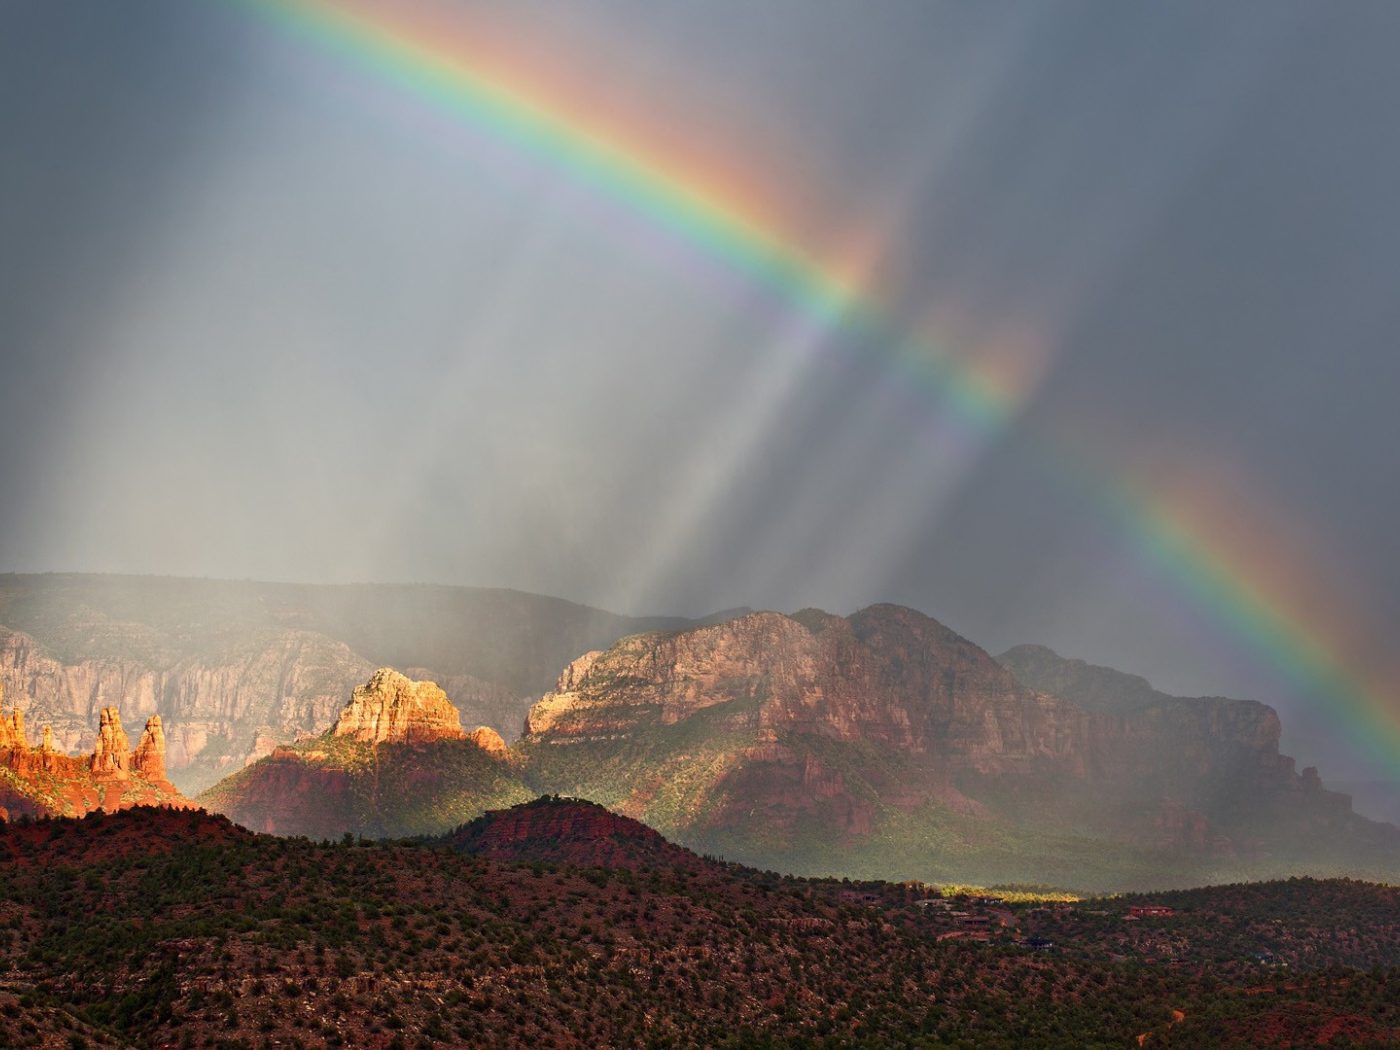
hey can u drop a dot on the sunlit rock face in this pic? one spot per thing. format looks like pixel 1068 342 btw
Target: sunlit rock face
pixel 112 759
pixel 148 758
pixel 888 675
pixel 488 740
pixel 770 735
pixel 393 709
pixel 214 706
pixel 44 781
pixel 396 762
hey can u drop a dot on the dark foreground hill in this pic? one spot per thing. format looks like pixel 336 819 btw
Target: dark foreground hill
pixel 174 929
pixel 571 832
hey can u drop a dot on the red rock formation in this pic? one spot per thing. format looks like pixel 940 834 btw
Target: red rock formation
pixel 290 681
pixel 391 708
pixel 832 719
pixel 149 757
pixel 888 676
pixel 44 781
pixel 112 758
pixel 488 740
pixel 12 729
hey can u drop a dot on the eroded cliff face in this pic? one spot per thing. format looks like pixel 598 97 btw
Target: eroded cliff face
pixel 215 709
pixel 1210 753
pixel 235 668
pixel 480 702
pixel 396 762
pixel 393 709
pixel 888 676
pixel 817 721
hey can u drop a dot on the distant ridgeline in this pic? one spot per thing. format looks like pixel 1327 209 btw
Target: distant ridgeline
pixel 43 781
pixel 237 667
pixel 880 745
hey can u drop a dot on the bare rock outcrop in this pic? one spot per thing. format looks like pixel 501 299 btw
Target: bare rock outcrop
pixel 886 676
pixel 44 781
pixel 211 704
pixel 480 702
pixel 12 729
pixel 831 721
pixel 393 709
pixel 149 757
pixel 488 740
pixel 112 758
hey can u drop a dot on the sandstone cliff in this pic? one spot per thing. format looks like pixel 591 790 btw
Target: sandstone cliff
pixel 887 676
pixel 212 707
pixel 1222 755
pixel 816 736
pixel 232 665
pixel 488 740
pixel 396 762
pixel 393 709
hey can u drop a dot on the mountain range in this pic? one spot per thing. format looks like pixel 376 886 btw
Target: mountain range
pixel 236 667
pixel 879 745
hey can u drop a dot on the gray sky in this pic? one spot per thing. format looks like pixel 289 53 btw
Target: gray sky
pixel 264 313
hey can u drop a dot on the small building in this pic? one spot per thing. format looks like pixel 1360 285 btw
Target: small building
pixel 1149 911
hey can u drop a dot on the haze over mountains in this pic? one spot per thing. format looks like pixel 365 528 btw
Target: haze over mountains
pixel 236 667
pixel 877 745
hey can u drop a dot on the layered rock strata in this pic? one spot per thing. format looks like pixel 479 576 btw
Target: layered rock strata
pixel 396 762
pixel 393 709
pixel 229 664
pixel 214 706
pixel 767 725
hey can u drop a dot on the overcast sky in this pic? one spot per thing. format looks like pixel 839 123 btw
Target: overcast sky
pixel 266 313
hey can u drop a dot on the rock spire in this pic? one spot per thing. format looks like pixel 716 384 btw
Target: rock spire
pixel 149 757
pixel 112 758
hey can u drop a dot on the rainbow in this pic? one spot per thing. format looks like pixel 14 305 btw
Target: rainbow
pixel 387 43
pixel 1310 645
pixel 1278 612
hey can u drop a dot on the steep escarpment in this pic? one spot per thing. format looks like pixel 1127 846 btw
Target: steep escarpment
pixel 885 742
pixel 888 676
pixel 214 705
pixel 235 668
pixel 397 762
pixel 1211 754
pixel 763 715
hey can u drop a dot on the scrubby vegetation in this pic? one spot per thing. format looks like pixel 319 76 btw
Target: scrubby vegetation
pixel 154 928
